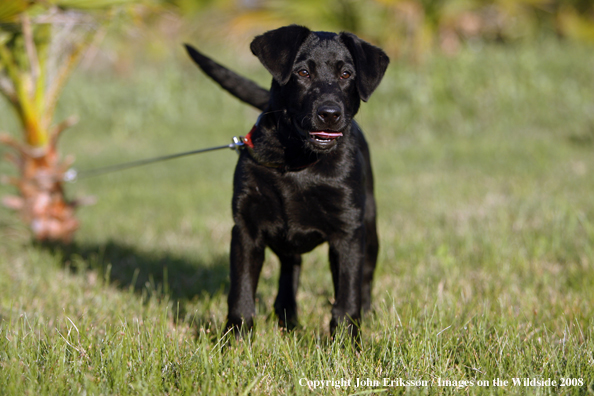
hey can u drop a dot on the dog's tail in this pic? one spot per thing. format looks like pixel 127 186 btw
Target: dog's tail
pixel 238 86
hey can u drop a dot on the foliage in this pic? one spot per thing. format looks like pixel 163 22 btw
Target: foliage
pixel 412 27
pixel 486 219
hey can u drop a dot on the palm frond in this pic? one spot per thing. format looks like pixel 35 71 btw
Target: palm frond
pixel 93 4
pixel 11 9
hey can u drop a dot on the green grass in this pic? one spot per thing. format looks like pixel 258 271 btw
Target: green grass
pixel 484 179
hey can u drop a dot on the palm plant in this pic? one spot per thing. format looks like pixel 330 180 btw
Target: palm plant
pixel 41 42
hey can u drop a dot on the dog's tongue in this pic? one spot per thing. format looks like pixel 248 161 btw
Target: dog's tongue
pixel 326 135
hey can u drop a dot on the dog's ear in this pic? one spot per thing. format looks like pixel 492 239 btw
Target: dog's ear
pixel 370 61
pixel 277 49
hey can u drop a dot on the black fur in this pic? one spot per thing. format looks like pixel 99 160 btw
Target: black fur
pixel 302 184
pixel 242 88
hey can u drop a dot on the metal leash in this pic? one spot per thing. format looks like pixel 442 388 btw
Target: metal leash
pixel 72 175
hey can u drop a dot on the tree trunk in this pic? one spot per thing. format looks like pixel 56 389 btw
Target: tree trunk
pixel 41 204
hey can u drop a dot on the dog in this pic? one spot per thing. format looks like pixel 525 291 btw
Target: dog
pixel 305 177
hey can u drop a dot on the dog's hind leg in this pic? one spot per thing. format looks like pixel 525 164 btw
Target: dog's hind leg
pixel 238 86
pixel 285 305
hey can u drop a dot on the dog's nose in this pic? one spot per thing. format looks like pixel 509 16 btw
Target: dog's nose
pixel 329 114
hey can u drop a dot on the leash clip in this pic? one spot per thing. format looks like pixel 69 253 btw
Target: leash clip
pixel 238 144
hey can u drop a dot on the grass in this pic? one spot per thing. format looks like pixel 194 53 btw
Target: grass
pixel 483 165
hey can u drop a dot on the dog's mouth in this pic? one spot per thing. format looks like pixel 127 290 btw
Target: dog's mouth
pixel 324 139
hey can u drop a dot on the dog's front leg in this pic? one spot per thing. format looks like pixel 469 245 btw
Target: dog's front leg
pixel 347 257
pixel 247 256
pixel 285 305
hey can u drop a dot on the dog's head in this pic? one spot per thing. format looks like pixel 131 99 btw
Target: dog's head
pixel 319 79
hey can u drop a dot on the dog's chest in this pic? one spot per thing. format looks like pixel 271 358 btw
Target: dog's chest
pixel 303 215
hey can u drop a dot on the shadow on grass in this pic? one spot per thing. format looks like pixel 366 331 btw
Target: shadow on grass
pixel 127 267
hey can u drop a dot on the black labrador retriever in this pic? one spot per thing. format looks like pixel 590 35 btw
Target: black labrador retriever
pixel 306 177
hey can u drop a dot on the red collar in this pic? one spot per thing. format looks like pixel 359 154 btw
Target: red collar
pixel 247 140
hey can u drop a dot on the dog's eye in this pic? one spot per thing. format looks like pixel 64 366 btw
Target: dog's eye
pixel 303 73
pixel 345 75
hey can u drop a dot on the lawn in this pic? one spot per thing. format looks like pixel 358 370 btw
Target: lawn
pixel 483 165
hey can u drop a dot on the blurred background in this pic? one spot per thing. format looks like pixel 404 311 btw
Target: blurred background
pixel 405 29
pixel 486 109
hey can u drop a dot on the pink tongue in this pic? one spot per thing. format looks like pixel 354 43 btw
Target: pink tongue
pixel 326 135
